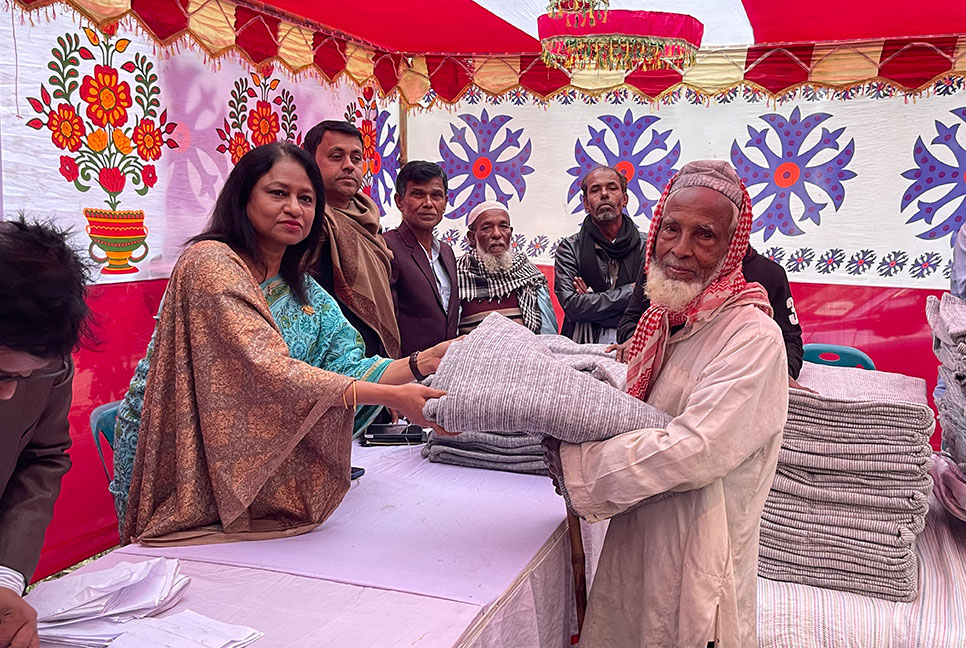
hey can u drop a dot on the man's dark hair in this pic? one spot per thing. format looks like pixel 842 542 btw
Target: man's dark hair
pixel 229 220
pixel 419 172
pixel 620 178
pixel 43 290
pixel 314 136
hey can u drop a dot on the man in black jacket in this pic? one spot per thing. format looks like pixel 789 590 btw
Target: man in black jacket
pixel 594 269
pixel 757 268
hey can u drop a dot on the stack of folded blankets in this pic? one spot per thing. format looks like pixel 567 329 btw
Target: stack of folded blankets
pixel 507 388
pixel 947 318
pixel 852 484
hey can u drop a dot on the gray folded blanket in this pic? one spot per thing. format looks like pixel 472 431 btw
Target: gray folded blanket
pixel 505 444
pixel 947 318
pixel 503 378
pixel 527 464
pixel 889 588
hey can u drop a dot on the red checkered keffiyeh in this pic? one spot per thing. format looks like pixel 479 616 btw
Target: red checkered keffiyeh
pixel 728 289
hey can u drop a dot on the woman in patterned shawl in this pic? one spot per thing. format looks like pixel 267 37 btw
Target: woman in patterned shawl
pixel 239 420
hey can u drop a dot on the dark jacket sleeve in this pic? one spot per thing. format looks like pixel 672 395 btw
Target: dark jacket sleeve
pixel 592 307
pixel 635 308
pixel 27 503
pixel 772 276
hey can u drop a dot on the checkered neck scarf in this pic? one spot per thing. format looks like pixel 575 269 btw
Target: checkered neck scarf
pixel 523 278
pixel 728 289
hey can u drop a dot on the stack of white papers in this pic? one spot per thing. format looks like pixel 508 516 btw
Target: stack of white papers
pixel 91 609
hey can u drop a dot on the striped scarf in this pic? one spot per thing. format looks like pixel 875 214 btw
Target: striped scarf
pixel 727 290
pixel 522 278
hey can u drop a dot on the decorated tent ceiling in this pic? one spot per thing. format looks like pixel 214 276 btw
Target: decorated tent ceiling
pixel 421 54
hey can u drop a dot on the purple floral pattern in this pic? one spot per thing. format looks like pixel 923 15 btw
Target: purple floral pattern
pixel 830 261
pixel 931 173
pixel 775 254
pixel 925 264
pixel 800 260
pixel 627 159
pixel 790 170
pixel 860 262
pixel 538 246
pixel 484 163
pixel 892 263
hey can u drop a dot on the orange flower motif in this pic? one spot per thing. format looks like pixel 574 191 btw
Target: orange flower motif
pixel 66 128
pixel 148 139
pixel 121 141
pixel 368 131
pixel 107 98
pixel 263 123
pixel 238 146
pixel 97 141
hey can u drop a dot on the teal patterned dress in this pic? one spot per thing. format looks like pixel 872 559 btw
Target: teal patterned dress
pixel 316 333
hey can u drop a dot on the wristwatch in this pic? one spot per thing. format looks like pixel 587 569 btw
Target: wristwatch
pixel 413 367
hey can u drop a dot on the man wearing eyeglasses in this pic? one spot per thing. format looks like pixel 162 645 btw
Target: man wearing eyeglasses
pixel 43 316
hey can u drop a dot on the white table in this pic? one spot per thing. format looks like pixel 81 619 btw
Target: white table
pixel 417 554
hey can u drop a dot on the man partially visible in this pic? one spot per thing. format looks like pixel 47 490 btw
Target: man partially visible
pixel 492 278
pixel 594 269
pixel 354 261
pixel 757 269
pixel 43 316
pixel 423 279
pixel 679 563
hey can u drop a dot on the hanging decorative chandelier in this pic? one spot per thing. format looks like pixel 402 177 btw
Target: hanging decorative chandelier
pixel 587 10
pixel 578 35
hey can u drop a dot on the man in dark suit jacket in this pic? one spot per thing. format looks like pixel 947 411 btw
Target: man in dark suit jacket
pixel 43 315
pixel 423 279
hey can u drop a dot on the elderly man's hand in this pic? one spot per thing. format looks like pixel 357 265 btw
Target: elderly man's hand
pixel 18 621
pixel 623 350
pixel 794 384
pixel 581 286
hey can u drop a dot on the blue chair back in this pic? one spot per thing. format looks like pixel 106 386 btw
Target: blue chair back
pixel 838 355
pixel 102 425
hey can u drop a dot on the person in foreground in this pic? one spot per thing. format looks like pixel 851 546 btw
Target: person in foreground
pixel 679 562
pixel 255 375
pixel 756 268
pixel 493 278
pixel 43 316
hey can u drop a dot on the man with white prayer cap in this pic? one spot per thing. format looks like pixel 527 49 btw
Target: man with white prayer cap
pixel 491 277
pixel 679 564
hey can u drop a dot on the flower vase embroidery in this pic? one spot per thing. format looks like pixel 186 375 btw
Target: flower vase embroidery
pixel 249 126
pixel 92 121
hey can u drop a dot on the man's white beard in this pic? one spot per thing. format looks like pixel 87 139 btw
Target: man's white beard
pixel 675 294
pixel 605 216
pixel 495 263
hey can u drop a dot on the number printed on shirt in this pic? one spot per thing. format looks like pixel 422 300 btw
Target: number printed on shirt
pixel 792 315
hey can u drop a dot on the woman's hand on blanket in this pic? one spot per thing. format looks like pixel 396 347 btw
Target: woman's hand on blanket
pixel 410 399
pixel 623 350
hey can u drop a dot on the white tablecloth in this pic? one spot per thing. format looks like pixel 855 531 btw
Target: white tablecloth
pixel 417 554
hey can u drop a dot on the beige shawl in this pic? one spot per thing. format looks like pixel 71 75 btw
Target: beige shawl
pixel 361 265
pixel 238 441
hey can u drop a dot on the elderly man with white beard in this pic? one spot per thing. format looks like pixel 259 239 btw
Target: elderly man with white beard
pixel 679 563
pixel 492 278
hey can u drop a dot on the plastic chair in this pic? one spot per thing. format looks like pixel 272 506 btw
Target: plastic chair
pixel 102 425
pixel 838 355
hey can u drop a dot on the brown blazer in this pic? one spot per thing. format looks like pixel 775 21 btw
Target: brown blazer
pixel 419 306
pixel 33 458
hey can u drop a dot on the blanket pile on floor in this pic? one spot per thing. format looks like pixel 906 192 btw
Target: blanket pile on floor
pixel 852 484
pixel 508 388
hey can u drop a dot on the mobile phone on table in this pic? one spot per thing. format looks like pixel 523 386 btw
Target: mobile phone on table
pixel 392 434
